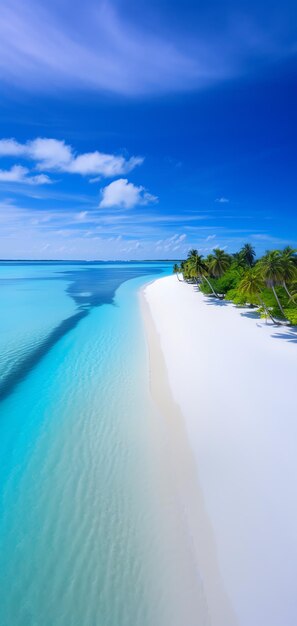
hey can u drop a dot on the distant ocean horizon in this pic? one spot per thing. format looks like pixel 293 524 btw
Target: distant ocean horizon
pixel 82 529
pixel 87 261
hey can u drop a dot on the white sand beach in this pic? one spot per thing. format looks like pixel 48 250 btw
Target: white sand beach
pixel 233 378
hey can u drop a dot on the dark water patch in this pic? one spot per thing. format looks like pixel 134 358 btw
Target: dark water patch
pixel 94 287
pixel 91 286
pixel 88 287
pixel 22 368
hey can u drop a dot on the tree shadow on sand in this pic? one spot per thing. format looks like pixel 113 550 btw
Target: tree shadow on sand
pixel 251 314
pixel 213 301
pixel 287 335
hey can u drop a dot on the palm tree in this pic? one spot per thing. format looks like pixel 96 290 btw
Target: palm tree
pixel 192 252
pixel 289 266
pixel 251 286
pixel 272 271
pixel 176 270
pixel 288 249
pixel 294 291
pixel 184 270
pixel 218 262
pixel 198 268
pixel 196 264
pixel 247 254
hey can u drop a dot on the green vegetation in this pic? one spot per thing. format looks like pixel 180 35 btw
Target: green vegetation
pixel 176 270
pixel 268 284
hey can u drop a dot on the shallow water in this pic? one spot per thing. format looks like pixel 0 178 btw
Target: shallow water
pixel 85 535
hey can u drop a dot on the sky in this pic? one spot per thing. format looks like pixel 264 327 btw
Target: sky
pixel 138 130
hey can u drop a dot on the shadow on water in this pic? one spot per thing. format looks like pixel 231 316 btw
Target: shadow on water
pixel 93 287
pixel 23 367
pixel 90 287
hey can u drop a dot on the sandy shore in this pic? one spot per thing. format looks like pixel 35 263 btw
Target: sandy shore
pixel 232 380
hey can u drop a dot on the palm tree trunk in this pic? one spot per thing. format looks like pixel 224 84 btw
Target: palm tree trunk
pixel 268 312
pixel 286 289
pixel 278 301
pixel 211 287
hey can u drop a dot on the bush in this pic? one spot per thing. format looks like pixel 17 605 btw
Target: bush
pixel 235 297
pixel 268 298
pixel 291 315
pixel 230 280
pixel 205 288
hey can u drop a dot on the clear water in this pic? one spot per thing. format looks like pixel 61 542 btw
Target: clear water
pixel 81 530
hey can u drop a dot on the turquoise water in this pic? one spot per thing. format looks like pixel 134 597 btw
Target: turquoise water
pixel 81 542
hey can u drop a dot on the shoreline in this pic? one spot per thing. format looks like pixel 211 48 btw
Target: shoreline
pixel 226 381
pixel 213 605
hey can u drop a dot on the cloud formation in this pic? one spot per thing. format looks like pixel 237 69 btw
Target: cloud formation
pixel 20 174
pixel 56 155
pixel 98 46
pixel 222 200
pixel 172 244
pixel 122 194
pixel 77 232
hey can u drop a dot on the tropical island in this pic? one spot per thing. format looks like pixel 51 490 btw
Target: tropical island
pixel 222 337
pixel 268 283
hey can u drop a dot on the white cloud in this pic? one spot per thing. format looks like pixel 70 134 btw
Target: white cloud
pixel 10 147
pixel 176 239
pixel 222 200
pixel 46 46
pixel 133 246
pixel 262 236
pixel 35 233
pixel 49 153
pixel 120 193
pixel 55 154
pixel 82 216
pixel 42 50
pixel 171 244
pixel 107 165
pixel 20 174
pixel 210 237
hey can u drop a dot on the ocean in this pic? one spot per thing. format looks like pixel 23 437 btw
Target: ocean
pixel 83 527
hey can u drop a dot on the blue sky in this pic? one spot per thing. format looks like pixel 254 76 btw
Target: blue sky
pixel 141 129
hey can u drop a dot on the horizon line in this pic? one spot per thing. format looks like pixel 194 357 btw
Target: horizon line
pixel 88 260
